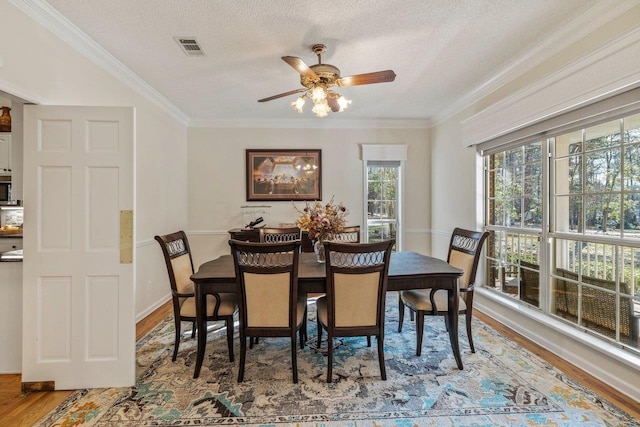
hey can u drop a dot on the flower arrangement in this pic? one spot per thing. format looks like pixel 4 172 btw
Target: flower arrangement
pixel 321 221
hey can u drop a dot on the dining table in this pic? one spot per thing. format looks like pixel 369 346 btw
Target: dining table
pixel 407 270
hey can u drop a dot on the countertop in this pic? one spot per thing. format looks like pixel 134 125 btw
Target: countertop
pixel 11 235
pixel 11 256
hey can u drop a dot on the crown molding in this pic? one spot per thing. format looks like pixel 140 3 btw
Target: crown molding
pixel 606 71
pixel 326 123
pixel 600 14
pixel 51 19
pixel 17 93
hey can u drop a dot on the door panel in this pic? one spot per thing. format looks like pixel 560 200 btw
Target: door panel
pixel 78 298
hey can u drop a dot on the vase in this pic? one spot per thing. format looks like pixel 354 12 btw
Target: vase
pixel 5 120
pixel 318 248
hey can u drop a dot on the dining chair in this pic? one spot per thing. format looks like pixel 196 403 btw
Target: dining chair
pixel 222 306
pixel 267 287
pixel 464 253
pixel 277 235
pixel 356 275
pixel 347 235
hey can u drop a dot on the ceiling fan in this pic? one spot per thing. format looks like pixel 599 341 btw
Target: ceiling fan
pixel 319 79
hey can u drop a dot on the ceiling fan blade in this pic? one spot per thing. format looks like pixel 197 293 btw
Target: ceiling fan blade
pixel 281 95
pixel 301 67
pixel 333 104
pixel 367 79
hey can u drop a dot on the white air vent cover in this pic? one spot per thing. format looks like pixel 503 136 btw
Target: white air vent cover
pixel 189 46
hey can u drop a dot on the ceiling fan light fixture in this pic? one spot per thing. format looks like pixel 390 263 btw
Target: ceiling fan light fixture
pixel 318 94
pixel 298 104
pixel 321 108
pixel 343 103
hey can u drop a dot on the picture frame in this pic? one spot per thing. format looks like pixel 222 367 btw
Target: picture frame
pixel 284 175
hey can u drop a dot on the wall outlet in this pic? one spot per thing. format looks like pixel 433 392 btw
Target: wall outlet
pixel 148 285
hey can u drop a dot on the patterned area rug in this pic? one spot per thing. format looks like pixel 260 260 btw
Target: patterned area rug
pixel 501 385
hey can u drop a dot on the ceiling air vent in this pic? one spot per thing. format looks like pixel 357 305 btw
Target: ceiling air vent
pixel 189 46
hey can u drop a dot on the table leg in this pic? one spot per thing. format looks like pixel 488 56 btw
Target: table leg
pixel 201 325
pixel 454 300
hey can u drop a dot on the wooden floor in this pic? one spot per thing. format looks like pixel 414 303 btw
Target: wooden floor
pixel 24 409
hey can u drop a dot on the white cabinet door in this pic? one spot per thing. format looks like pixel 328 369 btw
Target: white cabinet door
pixel 78 288
pixel 5 153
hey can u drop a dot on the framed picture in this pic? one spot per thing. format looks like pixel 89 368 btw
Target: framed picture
pixel 284 175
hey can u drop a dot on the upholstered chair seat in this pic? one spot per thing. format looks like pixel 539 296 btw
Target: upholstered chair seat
pixel 228 305
pixel 419 300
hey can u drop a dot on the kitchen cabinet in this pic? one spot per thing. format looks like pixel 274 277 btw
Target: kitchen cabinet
pixel 5 153
pixel 10 317
pixel 10 243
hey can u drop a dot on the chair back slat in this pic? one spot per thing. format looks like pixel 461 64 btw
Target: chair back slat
pixel 279 235
pixel 347 235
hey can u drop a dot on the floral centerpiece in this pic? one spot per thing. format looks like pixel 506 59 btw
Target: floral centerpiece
pixel 322 221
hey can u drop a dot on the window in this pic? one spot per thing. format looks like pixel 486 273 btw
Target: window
pixel 383 200
pixel 588 274
pixel 514 215
pixel 383 192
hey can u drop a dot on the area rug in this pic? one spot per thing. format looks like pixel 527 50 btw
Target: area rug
pixel 501 385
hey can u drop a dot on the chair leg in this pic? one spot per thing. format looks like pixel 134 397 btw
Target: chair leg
pixel 253 340
pixel 329 357
pixel 229 322
pixel 176 341
pixel 419 331
pixel 303 334
pixel 294 358
pixel 368 340
pixel 469 335
pixel 304 327
pixel 400 314
pixel 411 314
pixel 319 333
pixel 383 371
pixel 243 353
pixel 193 329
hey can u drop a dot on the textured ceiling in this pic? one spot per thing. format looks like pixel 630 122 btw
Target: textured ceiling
pixel 440 50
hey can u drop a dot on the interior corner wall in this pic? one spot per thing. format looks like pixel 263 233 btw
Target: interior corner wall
pixel 38 63
pixel 217 185
pixel 457 201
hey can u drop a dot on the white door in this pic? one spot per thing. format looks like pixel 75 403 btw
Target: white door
pixel 78 283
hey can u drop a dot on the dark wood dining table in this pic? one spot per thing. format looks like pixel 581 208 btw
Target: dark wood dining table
pixel 407 270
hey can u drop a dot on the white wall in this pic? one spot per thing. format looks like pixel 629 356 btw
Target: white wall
pixel 217 186
pixel 39 67
pixel 455 192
